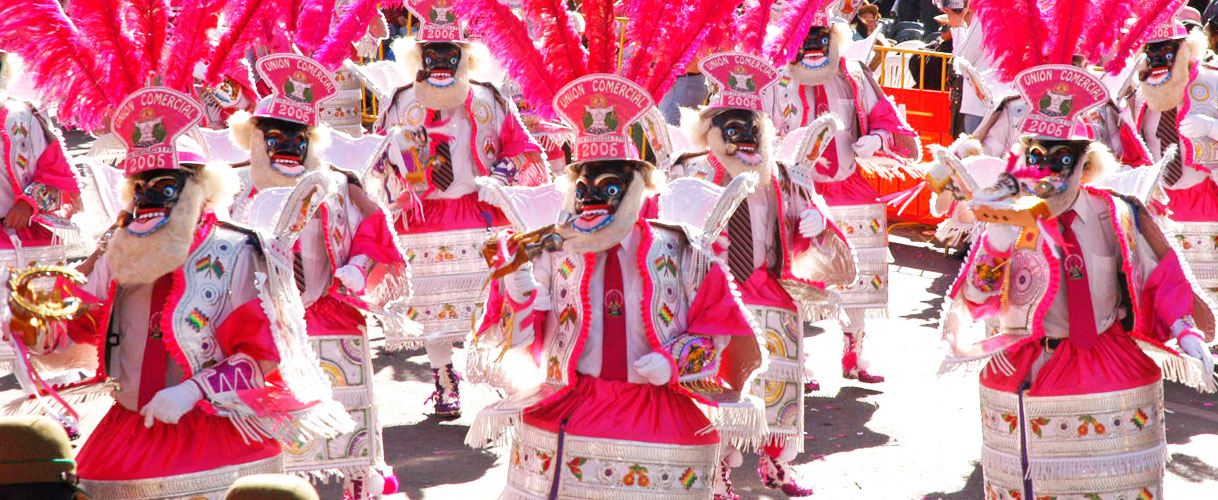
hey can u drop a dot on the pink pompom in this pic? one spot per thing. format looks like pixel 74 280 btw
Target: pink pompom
pixel 391 484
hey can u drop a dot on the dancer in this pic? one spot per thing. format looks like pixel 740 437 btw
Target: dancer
pixel 767 264
pixel 1078 281
pixel 345 261
pixel 819 80
pixel 637 324
pixel 472 131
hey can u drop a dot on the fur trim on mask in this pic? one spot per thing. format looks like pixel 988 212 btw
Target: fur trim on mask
pixel 139 260
pixel 1099 162
pixel 10 68
pixel 711 139
pixel 840 35
pixel 245 133
pixel 411 59
pixel 1171 94
pixel 219 181
pixel 624 219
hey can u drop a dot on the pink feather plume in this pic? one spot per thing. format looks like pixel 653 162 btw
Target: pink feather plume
pixel 242 21
pixel 681 44
pixel 1104 27
pixel 1014 34
pixel 794 23
pixel 354 23
pixel 508 37
pixel 1066 22
pixel 602 43
pixel 313 24
pixel 561 48
pixel 1148 14
pixel 189 42
pixel 101 23
pixel 643 27
pixel 149 21
pixel 750 25
pixel 66 70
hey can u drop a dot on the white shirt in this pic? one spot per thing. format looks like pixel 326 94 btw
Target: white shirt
pixel 632 285
pixel 1101 254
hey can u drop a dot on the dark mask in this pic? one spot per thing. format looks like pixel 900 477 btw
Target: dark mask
pixel 156 193
pixel 741 130
pixel 814 53
pixel 599 192
pixel 287 145
pixel 440 61
pixel 1160 58
pixel 1048 165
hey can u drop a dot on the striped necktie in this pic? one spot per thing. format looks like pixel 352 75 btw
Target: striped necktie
pixel 1168 135
pixel 740 243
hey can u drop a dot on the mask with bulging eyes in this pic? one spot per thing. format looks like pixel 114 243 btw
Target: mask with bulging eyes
pixel 156 193
pixel 287 145
pixel 741 130
pixel 814 53
pixel 1049 165
pixel 599 192
pixel 440 61
pixel 1160 59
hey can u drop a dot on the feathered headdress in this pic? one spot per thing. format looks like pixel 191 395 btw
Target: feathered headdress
pixel 105 50
pixel 661 39
pixel 1025 33
pixel 792 28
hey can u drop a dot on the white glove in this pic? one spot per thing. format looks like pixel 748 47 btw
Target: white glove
pixel 867 146
pixel 351 276
pixel 811 223
pixel 169 404
pixel 1195 347
pixel 1196 126
pixel 655 367
pixel 1001 236
pixel 520 283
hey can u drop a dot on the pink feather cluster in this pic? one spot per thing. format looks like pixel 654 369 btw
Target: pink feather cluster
pixel 353 24
pixel 1014 33
pixel 505 34
pixel 562 51
pixel 101 24
pixel 602 42
pixel 749 26
pixel 643 28
pixel 681 43
pixel 314 24
pixel 242 19
pixel 1146 14
pixel 189 42
pixel 65 68
pixel 793 28
pixel 149 23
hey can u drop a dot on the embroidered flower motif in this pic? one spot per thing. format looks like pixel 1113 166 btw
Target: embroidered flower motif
pixel 575 467
pixel 1089 420
pixel 545 460
pixel 1011 421
pixel 1037 423
pixel 637 474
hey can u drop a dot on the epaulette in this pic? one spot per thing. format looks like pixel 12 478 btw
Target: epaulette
pixel 494 91
pixel 250 233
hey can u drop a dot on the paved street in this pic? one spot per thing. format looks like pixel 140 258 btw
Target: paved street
pixel 916 436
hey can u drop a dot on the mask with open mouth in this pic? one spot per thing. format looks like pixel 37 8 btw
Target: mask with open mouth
pixel 287 145
pixel 741 131
pixel 1160 59
pixel 1049 167
pixel 440 61
pixel 599 192
pixel 155 194
pixel 814 53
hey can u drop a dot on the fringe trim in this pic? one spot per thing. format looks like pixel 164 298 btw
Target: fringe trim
pixel 742 425
pixel 787 371
pixel 401 342
pixel 30 406
pixel 963 365
pixel 1117 465
pixel 493 427
pixel 325 475
pixel 1178 368
pixel 952 233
